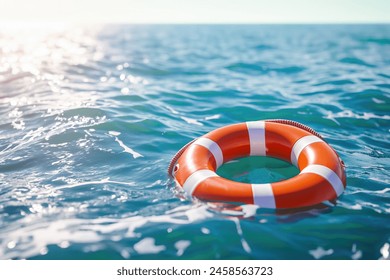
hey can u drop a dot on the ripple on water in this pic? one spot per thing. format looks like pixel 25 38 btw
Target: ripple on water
pixel 91 116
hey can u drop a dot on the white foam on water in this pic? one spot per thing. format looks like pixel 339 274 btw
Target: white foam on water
pixel 128 149
pixel 29 240
pixel 244 243
pixel 356 254
pixel 148 246
pixel 249 210
pixel 350 114
pixel 191 121
pixel 181 246
pixel 173 111
pixel 125 253
pixel 383 191
pixel 320 252
pixel 32 240
pixel 213 117
pixel 100 182
pixel 114 133
pixel 385 251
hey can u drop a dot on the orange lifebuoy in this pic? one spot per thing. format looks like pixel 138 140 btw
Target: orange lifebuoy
pixel 321 178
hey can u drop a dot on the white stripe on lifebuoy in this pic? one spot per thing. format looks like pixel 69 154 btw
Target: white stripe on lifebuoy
pixel 196 178
pixel 213 148
pixel 328 174
pixel 263 195
pixel 300 145
pixel 256 131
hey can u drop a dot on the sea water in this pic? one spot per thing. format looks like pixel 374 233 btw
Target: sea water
pixel 90 117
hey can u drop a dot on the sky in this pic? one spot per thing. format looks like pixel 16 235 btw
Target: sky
pixel 196 11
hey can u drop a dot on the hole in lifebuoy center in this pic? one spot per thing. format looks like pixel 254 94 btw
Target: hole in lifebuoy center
pixel 257 170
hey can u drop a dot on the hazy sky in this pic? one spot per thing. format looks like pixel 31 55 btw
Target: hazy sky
pixel 197 11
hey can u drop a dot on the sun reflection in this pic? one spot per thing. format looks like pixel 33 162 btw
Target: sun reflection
pixel 40 61
pixel 385 251
pixel 31 50
pixel 44 95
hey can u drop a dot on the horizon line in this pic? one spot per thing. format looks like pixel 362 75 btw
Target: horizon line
pixel 40 22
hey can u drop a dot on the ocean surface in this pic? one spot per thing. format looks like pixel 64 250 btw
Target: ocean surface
pixel 90 117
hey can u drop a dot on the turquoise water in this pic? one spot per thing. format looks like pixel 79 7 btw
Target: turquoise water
pixel 90 118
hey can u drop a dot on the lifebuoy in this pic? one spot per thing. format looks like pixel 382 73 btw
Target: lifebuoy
pixel 322 172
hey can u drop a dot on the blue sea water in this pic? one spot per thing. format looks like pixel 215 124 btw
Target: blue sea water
pixel 91 116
